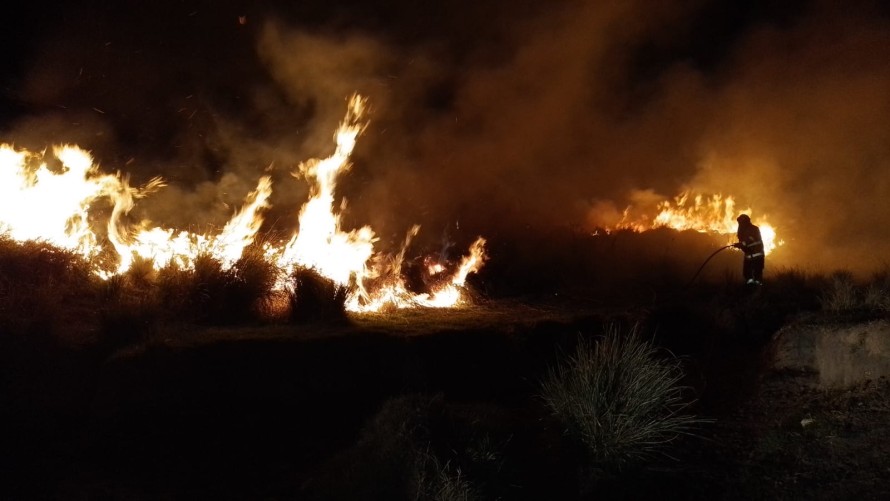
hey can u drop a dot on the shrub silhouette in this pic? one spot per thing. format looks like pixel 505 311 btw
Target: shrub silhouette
pixel 131 308
pixel 142 300
pixel 618 398
pixel 44 289
pixel 315 298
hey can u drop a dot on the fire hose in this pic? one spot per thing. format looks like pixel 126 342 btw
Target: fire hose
pixel 706 262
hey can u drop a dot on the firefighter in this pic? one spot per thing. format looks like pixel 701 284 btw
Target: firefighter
pixel 751 243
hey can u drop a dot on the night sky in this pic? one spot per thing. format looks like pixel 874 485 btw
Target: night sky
pixel 488 117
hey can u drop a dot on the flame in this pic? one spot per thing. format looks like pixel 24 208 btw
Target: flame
pixel 319 242
pixel 704 213
pixel 166 246
pixel 40 203
pixel 24 192
pixel 445 293
pixel 53 205
pixel 449 293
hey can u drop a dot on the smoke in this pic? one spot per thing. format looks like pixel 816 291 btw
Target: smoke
pixel 493 117
pixel 525 135
pixel 792 121
pixel 801 126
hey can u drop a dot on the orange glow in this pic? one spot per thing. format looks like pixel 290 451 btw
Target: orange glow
pixel 40 203
pixel 714 214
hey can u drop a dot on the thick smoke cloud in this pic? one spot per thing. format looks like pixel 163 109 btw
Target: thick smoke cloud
pixel 494 118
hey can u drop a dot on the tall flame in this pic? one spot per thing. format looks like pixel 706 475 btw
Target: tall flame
pixel 40 203
pixel 348 258
pixel 319 243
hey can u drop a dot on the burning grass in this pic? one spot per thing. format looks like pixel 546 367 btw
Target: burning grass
pixel 43 287
pixel 52 292
pixel 54 198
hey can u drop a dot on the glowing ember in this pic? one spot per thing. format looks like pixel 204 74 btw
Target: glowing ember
pixel 707 214
pixel 40 203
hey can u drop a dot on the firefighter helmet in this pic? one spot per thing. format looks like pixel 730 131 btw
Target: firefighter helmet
pixel 743 219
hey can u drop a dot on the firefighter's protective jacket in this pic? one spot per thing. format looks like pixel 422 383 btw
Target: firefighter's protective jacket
pixel 750 241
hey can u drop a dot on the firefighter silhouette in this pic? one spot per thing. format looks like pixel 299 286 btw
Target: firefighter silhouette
pixel 751 243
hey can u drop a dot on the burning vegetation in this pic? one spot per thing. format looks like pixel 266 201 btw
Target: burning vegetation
pixel 60 205
pixel 603 150
pixel 715 214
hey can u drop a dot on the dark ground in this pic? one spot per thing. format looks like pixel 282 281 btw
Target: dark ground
pixel 318 412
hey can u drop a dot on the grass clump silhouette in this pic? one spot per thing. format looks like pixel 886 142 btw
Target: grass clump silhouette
pixel 619 398
pixel 139 300
pixel 43 289
pixel 315 298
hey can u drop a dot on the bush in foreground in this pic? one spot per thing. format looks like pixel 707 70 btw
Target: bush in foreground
pixel 619 398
